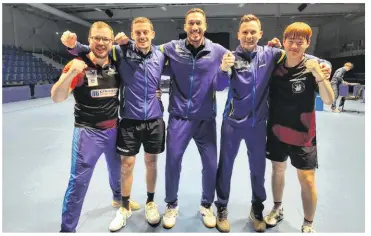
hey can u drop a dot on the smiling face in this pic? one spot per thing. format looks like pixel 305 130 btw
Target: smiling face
pixel 142 33
pixel 100 39
pixel 249 35
pixel 296 39
pixel 295 46
pixel 195 26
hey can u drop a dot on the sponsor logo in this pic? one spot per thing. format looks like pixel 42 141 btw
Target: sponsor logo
pixel 102 93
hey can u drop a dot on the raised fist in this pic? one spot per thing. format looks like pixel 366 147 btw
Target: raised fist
pixel 69 39
pixel 275 42
pixel 227 61
pixel 77 66
pixel 121 39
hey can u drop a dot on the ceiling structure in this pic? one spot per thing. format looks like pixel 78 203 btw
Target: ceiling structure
pixel 84 14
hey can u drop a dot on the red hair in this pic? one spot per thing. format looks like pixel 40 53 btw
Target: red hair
pixel 298 29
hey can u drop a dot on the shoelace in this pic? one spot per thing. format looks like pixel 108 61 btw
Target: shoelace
pixel 152 209
pixel 208 212
pixel 170 212
pixel 274 213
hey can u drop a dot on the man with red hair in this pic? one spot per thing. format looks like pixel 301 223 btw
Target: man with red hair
pixel 291 128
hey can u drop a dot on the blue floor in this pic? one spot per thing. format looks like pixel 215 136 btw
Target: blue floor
pixel 37 138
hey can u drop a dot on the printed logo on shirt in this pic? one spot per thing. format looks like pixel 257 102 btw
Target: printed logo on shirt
pixel 111 71
pixel 102 93
pixel 298 79
pixel 298 87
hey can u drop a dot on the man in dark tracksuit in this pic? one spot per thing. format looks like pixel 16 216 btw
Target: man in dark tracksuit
pixel 245 117
pixel 337 80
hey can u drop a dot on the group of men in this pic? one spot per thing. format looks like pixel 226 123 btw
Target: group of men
pixel 118 108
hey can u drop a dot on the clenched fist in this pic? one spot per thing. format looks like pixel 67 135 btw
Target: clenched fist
pixel 326 70
pixel 275 42
pixel 69 39
pixel 121 39
pixel 227 61
pixel 77 66
pixel 313 66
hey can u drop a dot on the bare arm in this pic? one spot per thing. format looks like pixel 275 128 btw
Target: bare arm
pixel 62 88
pixel 325 91
pixel 324 86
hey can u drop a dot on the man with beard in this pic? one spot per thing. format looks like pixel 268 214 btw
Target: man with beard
pixel 291 125
pixel 245 116
pixel 194 62
pixel 94 84
pixel 140 66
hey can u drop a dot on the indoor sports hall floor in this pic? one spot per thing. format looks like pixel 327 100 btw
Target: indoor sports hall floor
pixel 37 138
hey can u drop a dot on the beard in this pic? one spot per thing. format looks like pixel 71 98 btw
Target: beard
pixel 102 55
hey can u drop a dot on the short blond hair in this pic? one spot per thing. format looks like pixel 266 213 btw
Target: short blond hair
pixel 349 64
pixel 248 18
pixel 141 20
pixel 194 10
pixel 100 25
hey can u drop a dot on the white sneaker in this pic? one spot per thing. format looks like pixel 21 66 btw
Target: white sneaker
pixel 275 216
pixel 120 219
pixel 152 214
pixel 208 216
pixel 307 229
pixel 169 218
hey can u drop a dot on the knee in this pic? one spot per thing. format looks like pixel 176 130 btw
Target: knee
pixel 151 163
pixel 279 168
pixel 306 178
pixel 127 165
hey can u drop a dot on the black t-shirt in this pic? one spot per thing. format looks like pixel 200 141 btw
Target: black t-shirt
pixel 96 105
pixel 292 105
pixel 194 50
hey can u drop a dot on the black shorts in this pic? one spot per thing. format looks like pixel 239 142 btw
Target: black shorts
pixel 303 158
pixel 133 133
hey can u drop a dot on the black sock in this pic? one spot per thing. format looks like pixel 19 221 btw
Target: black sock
pixel 172 204
pixel 125 202
pixel 150 197
pixel 307 222
pixel 277 205
pixel 206 205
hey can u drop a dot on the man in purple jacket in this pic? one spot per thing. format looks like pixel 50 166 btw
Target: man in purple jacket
pixel 245 117
pixel 140 67
pixel 194 62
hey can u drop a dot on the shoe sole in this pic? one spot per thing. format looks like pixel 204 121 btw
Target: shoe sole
pixel 220 230
pixel 258 231
pixel 121 226
pixel 153 224
pixel 271 226
pixel 167 227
